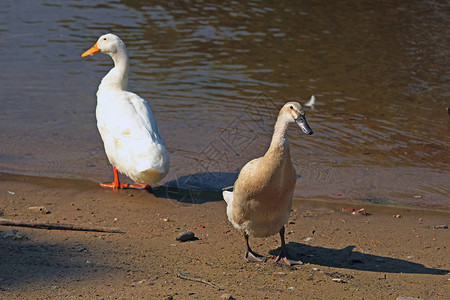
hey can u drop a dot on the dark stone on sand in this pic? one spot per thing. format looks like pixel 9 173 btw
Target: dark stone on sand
pixel 440 227
pixel 227 297
pixel 185 236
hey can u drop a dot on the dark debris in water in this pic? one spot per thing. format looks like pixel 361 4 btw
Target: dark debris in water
pixel 378 201
pixel 353 211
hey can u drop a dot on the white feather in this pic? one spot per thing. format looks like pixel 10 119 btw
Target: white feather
pixel 311 101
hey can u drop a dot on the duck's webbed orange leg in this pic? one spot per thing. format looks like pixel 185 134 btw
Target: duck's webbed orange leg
pixel 140 186
pixel 116 183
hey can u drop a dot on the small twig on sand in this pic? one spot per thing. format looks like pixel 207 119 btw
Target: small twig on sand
pixel 57 226
pixel 198 280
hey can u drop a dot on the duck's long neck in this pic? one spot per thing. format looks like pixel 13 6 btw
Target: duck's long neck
pixel 279 146
pixel 117 77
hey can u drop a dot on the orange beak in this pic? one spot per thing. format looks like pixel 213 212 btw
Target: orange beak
pixel 91 51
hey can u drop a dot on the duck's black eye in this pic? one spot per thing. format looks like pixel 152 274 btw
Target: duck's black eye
pixel 104 39
pixel 291 107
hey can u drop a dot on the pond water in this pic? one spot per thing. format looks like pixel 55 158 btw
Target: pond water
pixel 216 73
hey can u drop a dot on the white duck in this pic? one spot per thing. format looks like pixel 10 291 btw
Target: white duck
pixel 126 123
pixel 261 202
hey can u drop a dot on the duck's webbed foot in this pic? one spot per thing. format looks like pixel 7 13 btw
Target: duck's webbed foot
pixel 282 258
pixel 115 185
pixel 252 256
pixel 140 186
pixel 286 261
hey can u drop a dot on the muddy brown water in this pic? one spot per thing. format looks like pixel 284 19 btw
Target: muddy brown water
pixel 216 73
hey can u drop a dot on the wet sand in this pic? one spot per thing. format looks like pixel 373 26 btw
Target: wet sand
pixel 370 257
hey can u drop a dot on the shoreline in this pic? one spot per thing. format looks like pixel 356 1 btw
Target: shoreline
pixel 345 256
pixel 215 195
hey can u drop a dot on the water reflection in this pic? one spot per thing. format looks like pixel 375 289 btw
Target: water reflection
pixel 378 70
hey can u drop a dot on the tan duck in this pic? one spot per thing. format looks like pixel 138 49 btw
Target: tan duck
pixel 261 201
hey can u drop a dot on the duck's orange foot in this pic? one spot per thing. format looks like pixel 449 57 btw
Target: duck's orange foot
pixel 140 186
pixel 115 185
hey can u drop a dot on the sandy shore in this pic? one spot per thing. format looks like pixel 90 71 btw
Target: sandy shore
pixel 346 256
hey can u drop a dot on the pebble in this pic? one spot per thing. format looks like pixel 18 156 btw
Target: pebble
pixel 337 276
pixel 227 297
pixel 440 227
pixel 362 211
pixel 185 236
pixel 40 209
pixel 347 209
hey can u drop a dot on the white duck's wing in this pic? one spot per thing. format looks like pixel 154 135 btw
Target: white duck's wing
pixel 130 133
pixel 125 114
pixel 146 117
pixel 148 138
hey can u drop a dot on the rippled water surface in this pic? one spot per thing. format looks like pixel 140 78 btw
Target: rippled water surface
pixel 216 74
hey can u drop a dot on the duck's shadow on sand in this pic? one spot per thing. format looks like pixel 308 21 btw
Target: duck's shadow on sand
pixel 348 259
pixel 200 188
pixel 197 188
